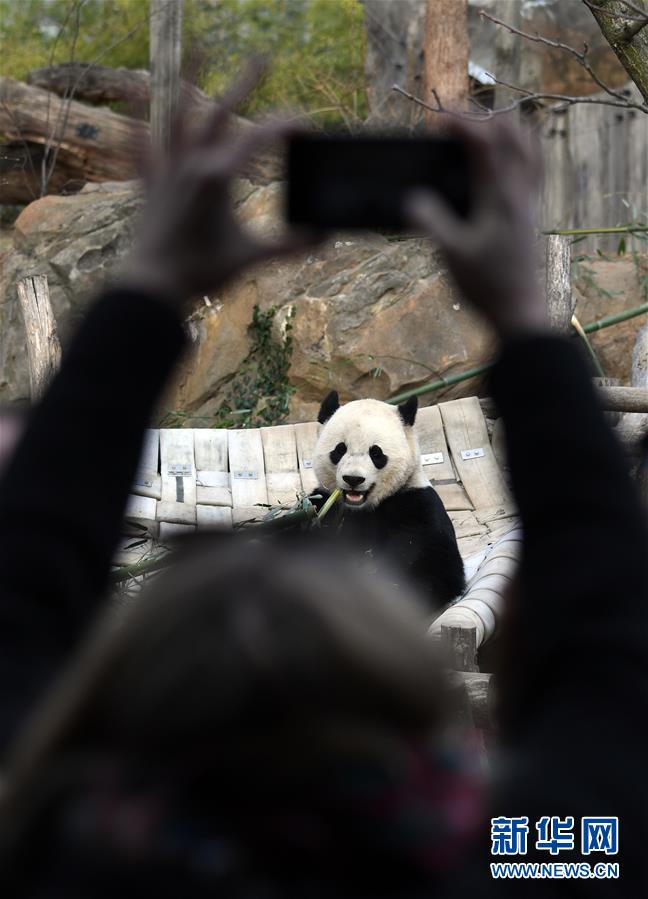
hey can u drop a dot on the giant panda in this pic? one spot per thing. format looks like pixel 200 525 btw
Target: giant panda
pixel 369 450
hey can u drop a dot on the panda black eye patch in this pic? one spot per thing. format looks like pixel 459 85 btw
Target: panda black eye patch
pixel 336 454
pixel 378 458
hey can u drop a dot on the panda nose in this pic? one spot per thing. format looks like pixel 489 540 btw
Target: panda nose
pixel 353 480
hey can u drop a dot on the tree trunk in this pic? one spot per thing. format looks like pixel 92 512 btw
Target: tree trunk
pixel 630 45
pixel 446 53
pixel 395 32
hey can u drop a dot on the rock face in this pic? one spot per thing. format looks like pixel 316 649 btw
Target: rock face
pixel 73 240
pixel 372 315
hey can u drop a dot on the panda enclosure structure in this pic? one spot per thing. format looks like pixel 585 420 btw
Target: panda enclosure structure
pixel 195 479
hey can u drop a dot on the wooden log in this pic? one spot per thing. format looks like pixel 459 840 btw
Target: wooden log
pixel 624 399
pixel 43 347
pixel 92 144
pixel 613 399
pixel 20 173
pixel 560 303
pixel 165 24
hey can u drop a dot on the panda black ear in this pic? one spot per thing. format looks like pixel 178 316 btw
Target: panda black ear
pixel 330 404
pixel 408 411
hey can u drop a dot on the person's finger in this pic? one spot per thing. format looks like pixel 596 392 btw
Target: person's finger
pixel 479 139
pixel 427 211
pixel 257 138
pixel 230 158
pixel 232 99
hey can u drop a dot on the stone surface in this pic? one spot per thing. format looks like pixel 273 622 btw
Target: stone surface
pixel 607 286
pixel 74 241
pixel 373 316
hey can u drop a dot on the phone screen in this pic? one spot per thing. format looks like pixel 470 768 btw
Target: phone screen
pixel 360 182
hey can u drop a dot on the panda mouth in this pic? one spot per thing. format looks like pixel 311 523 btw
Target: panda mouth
pixel 356 498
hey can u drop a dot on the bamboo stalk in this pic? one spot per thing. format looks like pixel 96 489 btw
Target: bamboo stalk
pixel 330 502
pixel 576 325
pixel 619 229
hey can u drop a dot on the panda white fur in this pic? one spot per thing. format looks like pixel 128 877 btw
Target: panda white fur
pixel 369 450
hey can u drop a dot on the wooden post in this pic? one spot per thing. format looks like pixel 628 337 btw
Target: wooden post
pixel 165 24
pixel 460 643
pixel 560 303
pixel 43 348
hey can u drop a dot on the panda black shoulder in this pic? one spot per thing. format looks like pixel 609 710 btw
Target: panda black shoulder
pixel 416 506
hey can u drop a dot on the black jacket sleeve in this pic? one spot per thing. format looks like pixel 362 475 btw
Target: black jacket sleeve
pixel 574 686
pixel 63 494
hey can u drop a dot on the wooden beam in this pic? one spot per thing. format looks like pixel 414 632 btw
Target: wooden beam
pixel 43 347
pixel 165 25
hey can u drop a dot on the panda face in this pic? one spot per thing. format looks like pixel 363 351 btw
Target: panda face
pixel 367 449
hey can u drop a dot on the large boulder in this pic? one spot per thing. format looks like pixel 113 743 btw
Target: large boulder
pixel 372 315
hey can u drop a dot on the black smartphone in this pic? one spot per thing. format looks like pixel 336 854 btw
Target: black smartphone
pixel 346 182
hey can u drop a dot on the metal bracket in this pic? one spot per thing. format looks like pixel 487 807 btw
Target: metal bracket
pixel 245 475
pixel 180 469
pixel 431 458
pixel 472 453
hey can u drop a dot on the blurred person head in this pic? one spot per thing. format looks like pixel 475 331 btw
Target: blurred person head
pixel 274 697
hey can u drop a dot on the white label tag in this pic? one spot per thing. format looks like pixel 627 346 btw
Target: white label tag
pixel 472 453
pixel 431 458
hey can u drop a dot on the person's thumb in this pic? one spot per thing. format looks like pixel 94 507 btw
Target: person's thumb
pixel 428 212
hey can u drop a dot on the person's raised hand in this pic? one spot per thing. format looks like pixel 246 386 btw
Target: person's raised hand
pixel 491 254
pixel 189 241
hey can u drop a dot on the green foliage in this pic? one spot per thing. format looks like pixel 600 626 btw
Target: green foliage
pixel 259 394
pixel 316 47
pixel 44 32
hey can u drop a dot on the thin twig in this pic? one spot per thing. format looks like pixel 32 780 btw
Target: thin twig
pixel 582 58
pixel 528 97
pixel 568 100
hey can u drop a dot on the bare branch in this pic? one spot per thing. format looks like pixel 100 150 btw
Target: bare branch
pixel 582 58
pixel 528 97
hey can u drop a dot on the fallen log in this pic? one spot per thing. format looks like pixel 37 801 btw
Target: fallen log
pixel 21 166
pixel 89 143
pixel 101 84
